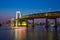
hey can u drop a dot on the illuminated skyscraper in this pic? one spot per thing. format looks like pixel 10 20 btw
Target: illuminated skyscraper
pixel 12 22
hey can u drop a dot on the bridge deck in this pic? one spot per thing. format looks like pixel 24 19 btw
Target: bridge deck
pixel 43 15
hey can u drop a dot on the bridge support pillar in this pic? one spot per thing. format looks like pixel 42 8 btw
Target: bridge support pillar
pixel 33 23
pixel 55 24
pixel 46 26
pixel 27 23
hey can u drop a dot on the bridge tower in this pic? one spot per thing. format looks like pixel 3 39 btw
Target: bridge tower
pixel 18 16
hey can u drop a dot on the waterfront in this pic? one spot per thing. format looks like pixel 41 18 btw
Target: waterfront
pixel 38 33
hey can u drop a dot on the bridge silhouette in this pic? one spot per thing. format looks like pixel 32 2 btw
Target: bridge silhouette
pixel 46 15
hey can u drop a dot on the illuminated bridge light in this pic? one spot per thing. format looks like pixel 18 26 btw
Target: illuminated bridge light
pixel 46 14
pixel 24 23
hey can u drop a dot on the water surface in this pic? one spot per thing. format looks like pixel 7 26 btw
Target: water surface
pixel 38 33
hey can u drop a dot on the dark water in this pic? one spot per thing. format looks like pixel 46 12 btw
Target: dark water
pixel 38 33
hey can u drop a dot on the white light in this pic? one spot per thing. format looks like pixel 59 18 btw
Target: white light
pixel 17 11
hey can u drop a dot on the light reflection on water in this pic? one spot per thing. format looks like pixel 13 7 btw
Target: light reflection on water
pixel 30 34
pixel 20 34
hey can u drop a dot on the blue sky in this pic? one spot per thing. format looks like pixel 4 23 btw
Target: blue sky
pixel 9 7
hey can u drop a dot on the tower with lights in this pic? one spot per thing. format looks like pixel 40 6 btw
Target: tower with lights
pixel 18 14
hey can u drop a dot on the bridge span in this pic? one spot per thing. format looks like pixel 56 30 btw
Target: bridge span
pixel 46 15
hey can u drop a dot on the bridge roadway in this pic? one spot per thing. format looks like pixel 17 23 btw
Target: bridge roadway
pixel 43 15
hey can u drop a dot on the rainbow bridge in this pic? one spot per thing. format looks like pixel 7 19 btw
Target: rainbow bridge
pixel 45 15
